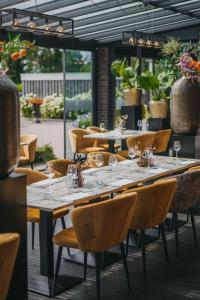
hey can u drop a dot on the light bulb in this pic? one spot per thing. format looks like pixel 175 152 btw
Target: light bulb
pixel 60 30
pixel 47 28
pixel 132 41
pixel 156 44
pixel 141 42
pixel 31 26
pixel 149 43
pixel 16 23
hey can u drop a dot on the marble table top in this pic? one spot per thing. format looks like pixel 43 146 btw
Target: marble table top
pixel 52 194
pixel 115 134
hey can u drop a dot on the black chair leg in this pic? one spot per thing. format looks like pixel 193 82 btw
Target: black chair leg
pixel 63 223
pixel 97 263
pixel 125 265
pixel 32 167
pixel 188 215
pixel 162 231
pixel 127 243
pixel 85 266
pixel 57 270
pixel 54 225
pixel 143 252
pixel 33 234
pixel 64 227
pixel 175 218
pixel 193 227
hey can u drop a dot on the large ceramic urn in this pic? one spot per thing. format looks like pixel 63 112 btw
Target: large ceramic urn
pixel 9 126
pixel 185 106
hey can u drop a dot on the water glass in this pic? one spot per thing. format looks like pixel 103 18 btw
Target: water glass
pixel 102 127
pixel 177 147
pixel 71 170
pixel 98 159
pixel 132 152
pixel 112 161
pixel 139 124
pixel 51 172
pixel 147 125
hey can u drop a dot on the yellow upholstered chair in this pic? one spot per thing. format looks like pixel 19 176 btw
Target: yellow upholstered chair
pixel 161 141
pixel 59 166
pixel 33 214
pixel 143 141
pixel 9 244
pixel 27 151
pixel 152 206
pixel 101 143
pixel 79 144
pixel 88 232
pixel 106 156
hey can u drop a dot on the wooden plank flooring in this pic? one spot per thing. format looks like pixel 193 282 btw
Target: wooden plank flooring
pixel 180 281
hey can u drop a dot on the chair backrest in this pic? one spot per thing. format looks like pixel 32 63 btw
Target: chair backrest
pixel 32 175
pixel 106 156
pixel 101 226
pixel 59 166
pixel 77 140
pixel 143 141
pixel 153 203
pixel 9 244
pixel 94 129
pixel 30 148
pixel 161 140
pixel 187 191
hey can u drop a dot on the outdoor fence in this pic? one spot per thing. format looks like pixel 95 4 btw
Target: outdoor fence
pixel 45 84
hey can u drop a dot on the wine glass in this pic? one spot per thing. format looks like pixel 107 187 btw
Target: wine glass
pixel 139 124
pixel 112 161
pixel 51 173
pixel 147 154
pixel 177 147
pixel 131 152
pixel 98 158
pixel 102 127
pixel 147 125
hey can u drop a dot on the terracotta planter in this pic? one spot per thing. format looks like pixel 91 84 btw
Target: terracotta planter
pixel 185 106
pixel 158 109
pixel 132 96
pixel 9 126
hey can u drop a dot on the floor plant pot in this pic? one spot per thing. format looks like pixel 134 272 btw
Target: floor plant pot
pixel 132 96
pixel 158 109
pixel 9 126
pixel 185 106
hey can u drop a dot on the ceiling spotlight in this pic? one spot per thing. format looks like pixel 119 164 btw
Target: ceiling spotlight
pixel 31 25
pixel 141 42
pixel 46 26
pixel 60 30
pixel 132 41
pixel 15 22
pixel 156 44
pixel 149 43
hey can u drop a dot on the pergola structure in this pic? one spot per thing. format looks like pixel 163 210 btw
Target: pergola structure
pixel 98 27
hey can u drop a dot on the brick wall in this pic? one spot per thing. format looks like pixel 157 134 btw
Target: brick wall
pixel 105 85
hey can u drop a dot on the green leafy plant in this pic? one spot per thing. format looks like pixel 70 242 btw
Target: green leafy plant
pixel 128 74
pixel 84 123
pixel 52 107
pixel 44 154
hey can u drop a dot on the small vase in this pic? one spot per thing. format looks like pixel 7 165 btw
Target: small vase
pixel 9 125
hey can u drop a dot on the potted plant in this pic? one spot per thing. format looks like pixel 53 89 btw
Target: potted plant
pixel 129 80
pixel 158 86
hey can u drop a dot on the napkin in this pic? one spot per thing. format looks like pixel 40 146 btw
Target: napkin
pixel 73 197
pixel 46 182
pixel 121 182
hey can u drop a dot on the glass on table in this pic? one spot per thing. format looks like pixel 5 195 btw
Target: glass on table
pixel 132 152
pixel 112 161
pixel 177 147
pixel 71 170
pixel 139 124
pixel 102 126
pixel 51 173
pixel 98 160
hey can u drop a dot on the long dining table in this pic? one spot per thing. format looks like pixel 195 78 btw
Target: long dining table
pixel 114 135
pixel 53 194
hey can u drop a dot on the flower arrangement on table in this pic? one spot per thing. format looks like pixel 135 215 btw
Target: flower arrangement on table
pixel 188 66
pixel 12 50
